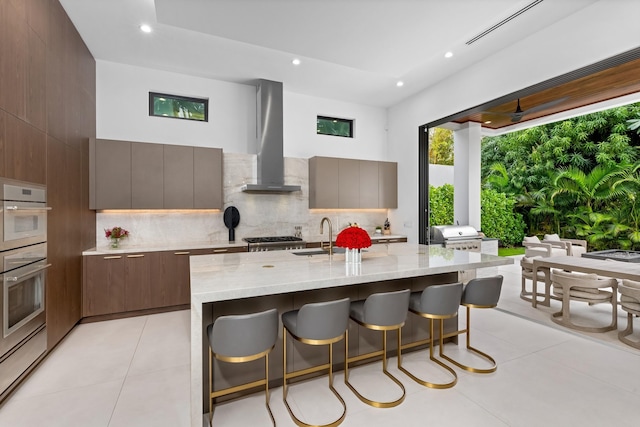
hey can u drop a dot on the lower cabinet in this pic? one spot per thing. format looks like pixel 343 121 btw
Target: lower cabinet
pixel 175 276
pixel 103 285
pixel 142 281
pixel 124 283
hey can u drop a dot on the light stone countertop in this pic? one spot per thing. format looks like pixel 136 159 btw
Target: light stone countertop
pixel 159 247
pixel 241 275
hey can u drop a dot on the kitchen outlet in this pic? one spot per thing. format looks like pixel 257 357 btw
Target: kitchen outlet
pixel 408 224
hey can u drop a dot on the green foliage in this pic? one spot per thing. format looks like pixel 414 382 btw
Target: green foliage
pixel 335 127
pixel 578 177
pixel 441 205
pixel 499 218
pixel 440 146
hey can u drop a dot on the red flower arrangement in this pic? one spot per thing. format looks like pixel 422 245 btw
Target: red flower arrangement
pixel 116 233
pixel 353 237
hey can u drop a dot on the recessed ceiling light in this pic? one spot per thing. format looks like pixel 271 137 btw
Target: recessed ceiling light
pixel 487 122
pixel 145 28
pixel 296 61
pixel 448 54
pixel 400 83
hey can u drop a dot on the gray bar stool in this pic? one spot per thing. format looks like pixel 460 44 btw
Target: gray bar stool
pixel 478 293
pixel 384 312
pixel 435 302
pixel 315 324
pixel 239 339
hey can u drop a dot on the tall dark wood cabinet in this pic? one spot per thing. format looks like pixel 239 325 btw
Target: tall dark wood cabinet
pixel 47 115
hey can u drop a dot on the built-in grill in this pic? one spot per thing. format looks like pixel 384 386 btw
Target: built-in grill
pixel 464 237
pixel 274 243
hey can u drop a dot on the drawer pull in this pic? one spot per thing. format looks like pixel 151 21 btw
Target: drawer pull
pixel 135 256
pixel 181 253
pixel 216 251
pixel 113 257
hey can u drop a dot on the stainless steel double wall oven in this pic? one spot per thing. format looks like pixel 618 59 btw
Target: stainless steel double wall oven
pixel 23 264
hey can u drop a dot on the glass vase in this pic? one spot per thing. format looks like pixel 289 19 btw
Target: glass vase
pixel 353 256
pixel 115 243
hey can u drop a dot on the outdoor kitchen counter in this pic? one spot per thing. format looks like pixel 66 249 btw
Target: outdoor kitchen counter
pixel 235 276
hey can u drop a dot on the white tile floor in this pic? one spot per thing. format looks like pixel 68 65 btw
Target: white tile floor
pixel 135 372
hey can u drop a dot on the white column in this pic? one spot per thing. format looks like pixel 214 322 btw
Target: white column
pixel 466 175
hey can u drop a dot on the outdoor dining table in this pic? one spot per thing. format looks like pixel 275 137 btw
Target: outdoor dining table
pixel 606 268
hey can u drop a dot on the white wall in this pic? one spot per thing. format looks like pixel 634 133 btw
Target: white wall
pixel 599 31
pixel 301 140
pixel 122 113
pixel 440 175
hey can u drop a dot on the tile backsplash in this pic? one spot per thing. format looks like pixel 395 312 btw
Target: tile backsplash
pixel 260 214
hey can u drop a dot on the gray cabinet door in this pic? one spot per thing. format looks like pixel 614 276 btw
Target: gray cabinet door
pixel 147 174
pixel 207 178
pixel 324 183
pixel 349 188
pixel 111 180
pixel 388 185
pixel 178 177
pixel 368 184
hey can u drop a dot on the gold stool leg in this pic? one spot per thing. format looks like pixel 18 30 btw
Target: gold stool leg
pixel 432 358
pixel 473 350
pixel 234 389
pixel 210 388
pixel 370 402
pixel 295 419
pixel 266 388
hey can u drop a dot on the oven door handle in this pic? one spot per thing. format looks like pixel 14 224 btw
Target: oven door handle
pixel 18 208
pixel 17 278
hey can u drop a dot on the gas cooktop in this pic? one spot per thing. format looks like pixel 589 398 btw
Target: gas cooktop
pixel 272 239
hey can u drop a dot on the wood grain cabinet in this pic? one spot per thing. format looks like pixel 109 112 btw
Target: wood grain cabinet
pixel 135 282
pixel 336 183
pixel 175 276
pixel 138 175
pixel 104 283
pixel 142 281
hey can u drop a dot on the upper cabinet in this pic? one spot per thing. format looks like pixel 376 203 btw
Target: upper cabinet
pixel 323 182
pixel 147 175
pixel 110 175
pixel 336 183
pixel 388 185
pixel 137 175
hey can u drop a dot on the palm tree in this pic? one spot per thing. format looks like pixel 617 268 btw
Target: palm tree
pixel 591 190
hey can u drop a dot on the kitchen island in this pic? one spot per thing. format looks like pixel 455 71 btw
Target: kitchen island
pixel 247 282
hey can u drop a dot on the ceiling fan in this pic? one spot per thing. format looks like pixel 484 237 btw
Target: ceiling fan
pixel 519 113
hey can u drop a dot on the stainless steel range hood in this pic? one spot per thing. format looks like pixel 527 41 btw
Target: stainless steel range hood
pixel 269 141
